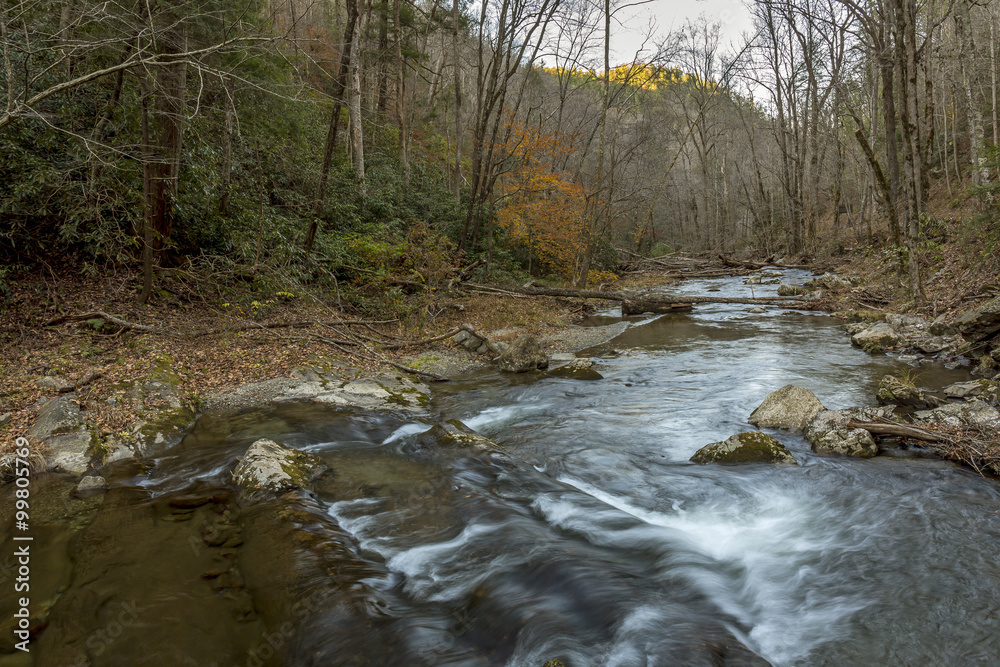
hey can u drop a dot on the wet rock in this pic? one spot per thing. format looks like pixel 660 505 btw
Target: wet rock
pixel 577 369
pixel 62 385
pixel 61 427
pixel 856 327
pixel 269 469
pixel 524 354
pixel 455 434
pixel 91 485
pixel 384 392
pixel 789 407
pixel 162 417
pixel 828 433
pixel 975 413
pixel 979 323
pixel 876 337
pixel 753 280
pixel 748 447
pixel 894 390
pixel 791 290
pixel 757 310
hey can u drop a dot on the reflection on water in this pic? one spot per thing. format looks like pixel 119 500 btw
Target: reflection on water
pixel 594 542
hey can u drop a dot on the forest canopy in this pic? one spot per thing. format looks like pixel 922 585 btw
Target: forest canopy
pixel 324 139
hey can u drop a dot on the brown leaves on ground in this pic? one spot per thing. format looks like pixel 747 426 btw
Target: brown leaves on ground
pixel 204 364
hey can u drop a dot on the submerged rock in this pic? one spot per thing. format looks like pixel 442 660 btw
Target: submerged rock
pixel 91 485
pixel 979 323
pixel 828 432
pixel 894 390
pixel 747 447
pixel 876 337
pixel 789 407
pixel 269 469
pixel 524 354
pixel 577 369
pixel 454 433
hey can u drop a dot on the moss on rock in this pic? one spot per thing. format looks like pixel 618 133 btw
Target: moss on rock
pixel 747 447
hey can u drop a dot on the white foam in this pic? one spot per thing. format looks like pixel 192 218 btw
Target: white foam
pixel 758 557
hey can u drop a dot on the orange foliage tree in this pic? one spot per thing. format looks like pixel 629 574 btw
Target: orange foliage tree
pixel 541 208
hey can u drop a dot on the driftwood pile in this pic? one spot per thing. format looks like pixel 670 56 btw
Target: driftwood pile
pixel 976 446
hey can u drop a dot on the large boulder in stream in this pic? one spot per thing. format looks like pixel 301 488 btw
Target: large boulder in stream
pixel 454 434
pixel 577 369
pixel 900 391
pixel 270 469
pixel 876 337
pixel 523 355
pixel 786 289
pixel 748 447
pixel 828 433
pixel 979 323
pixel 789 407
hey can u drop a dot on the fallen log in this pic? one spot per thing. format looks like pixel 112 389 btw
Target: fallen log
pixel 788 301
pixel 901 430
pixel 640 306
pixel 726 261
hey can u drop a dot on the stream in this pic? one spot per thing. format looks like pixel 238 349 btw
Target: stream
pixel 592 541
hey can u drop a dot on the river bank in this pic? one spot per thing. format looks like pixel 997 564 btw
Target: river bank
pixel 142 382
pixel 416 546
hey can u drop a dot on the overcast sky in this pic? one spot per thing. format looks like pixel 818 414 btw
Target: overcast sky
pixel 674 14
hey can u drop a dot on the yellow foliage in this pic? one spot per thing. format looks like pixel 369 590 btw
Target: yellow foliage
pixel 542 209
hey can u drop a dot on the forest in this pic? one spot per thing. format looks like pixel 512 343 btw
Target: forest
pixel 383 143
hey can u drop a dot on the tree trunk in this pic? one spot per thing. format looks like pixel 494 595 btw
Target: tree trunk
pixel 456 177
pixel 169 116
pixel 354 113
pixel 331 136
pixel 147 191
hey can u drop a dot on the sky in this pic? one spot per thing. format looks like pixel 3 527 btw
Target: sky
pixel 674 14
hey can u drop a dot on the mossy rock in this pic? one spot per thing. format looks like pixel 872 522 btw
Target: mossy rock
pixel 747 447
pixel 572 372
pixel 270 469
pixel 454 434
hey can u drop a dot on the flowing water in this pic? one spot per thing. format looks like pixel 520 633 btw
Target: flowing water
pixel 593 540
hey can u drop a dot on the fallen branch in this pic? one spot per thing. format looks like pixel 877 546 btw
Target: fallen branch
pixel 87 379
pixel 464 327
pixel 111 319
pixel 901 430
